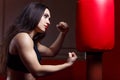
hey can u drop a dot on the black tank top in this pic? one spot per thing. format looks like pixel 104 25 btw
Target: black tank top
pixel 14 62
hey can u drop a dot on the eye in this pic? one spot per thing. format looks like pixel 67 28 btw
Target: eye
pixel 46 15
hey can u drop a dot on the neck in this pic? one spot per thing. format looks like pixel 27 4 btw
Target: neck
pixel 32 34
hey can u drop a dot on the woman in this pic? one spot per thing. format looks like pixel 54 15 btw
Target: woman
pixel 24 49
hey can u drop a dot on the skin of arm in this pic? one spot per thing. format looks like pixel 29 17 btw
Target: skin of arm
pixel 55 47
pixel 28 56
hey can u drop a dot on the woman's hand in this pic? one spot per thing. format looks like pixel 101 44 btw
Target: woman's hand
pixel 63 27
pixel 72 57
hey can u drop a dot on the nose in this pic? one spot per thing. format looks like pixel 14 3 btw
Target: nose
pixel 48 21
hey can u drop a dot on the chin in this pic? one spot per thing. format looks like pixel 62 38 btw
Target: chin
pixel 42 31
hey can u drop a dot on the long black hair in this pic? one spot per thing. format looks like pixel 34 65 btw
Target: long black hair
pixel 25 22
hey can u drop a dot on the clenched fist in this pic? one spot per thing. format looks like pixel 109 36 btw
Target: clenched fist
pixel 72 57
pixel 63 27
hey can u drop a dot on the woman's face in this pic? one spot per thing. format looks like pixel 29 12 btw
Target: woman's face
pixel 44 21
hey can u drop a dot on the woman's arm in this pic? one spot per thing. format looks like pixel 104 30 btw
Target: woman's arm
pixel 28 56
pixel 45 69
pixel 56 45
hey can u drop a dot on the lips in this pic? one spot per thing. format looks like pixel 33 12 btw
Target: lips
pixel 46 27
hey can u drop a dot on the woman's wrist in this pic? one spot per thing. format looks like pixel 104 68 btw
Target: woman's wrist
pixel 69 64
pixel 63 33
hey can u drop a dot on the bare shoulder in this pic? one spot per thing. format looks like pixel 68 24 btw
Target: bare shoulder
pixel 23 39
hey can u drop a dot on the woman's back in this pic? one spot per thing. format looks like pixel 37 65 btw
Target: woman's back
pixel 13 57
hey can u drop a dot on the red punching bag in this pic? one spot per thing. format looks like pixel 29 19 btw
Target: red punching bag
pixel 95 25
